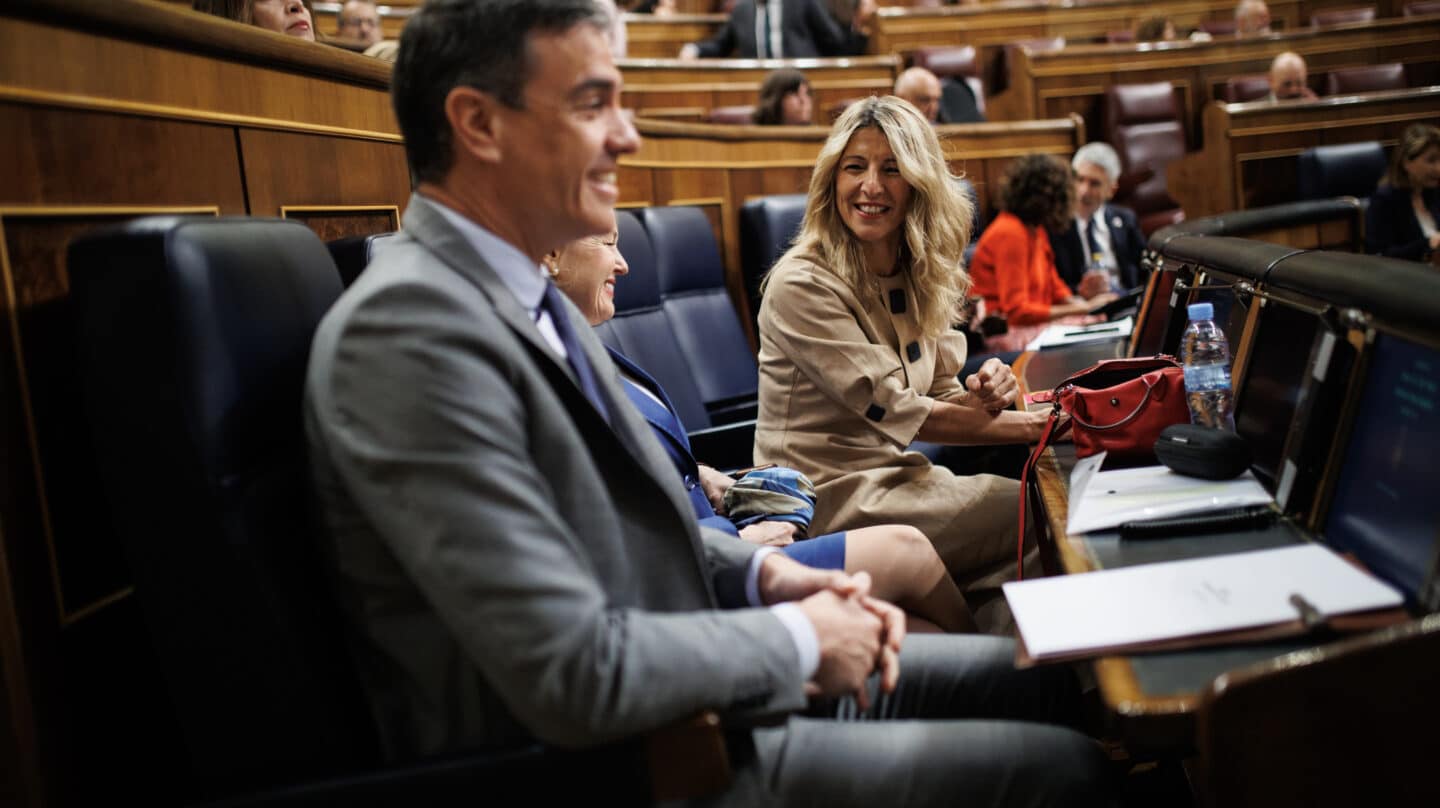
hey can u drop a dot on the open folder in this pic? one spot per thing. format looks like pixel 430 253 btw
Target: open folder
pixel 1263 594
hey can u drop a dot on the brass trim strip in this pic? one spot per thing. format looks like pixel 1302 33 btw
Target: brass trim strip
pixel 23 381
pixel 163 111
pixel 392 210
pixel 1331 123
pixel 699 201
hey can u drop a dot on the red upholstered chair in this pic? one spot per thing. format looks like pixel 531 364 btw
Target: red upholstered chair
pixel 1340 16
pixel 1142 122
pixel 949 60
pixel 1245 88
pixel 1421 8
pixel 740 114
pixel 1224 27
pixel 1365 79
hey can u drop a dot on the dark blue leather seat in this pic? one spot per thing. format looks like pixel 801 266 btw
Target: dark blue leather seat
pixel 194 414
pixel 1344 169
pixel 707 330
pixel 353 253
pixel 641 329
pixel 767 226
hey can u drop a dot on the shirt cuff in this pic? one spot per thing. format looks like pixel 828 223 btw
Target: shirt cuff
pixel 807 644
pixel 752 576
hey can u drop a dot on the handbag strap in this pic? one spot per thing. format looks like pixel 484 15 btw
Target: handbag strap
pixel 1053 429
pixel 1149 389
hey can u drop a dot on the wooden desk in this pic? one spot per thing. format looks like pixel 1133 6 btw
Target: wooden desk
pixel 1152 697
pixel 651 37
pixel 1074 79
pixel 1249 157
pixel 672 89
pixel 719 167
pixel 990 26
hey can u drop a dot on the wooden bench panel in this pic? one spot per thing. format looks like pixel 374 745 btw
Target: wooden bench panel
pixel 1074 79
pixel 991 26
pixel 1250 149
pixel 676 90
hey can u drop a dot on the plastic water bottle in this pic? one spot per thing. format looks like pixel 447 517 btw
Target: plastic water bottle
pixel 1206 357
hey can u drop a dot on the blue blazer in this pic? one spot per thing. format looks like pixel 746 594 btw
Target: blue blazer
pixel 671 435
pixel 1126 239
pixel 1390 224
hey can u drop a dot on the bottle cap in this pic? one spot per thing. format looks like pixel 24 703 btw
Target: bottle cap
pixel 1201 311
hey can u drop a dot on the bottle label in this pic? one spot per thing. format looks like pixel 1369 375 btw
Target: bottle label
pixel 1207 377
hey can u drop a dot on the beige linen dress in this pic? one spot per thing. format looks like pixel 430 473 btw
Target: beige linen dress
pixel 845 383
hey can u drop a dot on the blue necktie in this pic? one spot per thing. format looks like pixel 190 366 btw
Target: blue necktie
pixel 764 50
pixel 1090 242
pixel 552 305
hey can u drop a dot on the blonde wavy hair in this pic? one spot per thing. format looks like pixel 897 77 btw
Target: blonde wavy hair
pixel 937 223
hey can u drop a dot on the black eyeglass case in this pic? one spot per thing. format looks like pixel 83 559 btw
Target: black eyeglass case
pixel 1198 451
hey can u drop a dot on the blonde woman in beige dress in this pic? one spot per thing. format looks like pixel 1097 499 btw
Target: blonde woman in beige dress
pixel 858 358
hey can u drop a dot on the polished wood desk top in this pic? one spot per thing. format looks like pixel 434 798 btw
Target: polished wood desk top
pixel 1152 697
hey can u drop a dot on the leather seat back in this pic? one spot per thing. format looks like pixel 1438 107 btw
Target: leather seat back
pixel 1143 124
pixel 1239 89
pixel 1344 169
pixel 1346 80
pixel 696 300
pixel 353 253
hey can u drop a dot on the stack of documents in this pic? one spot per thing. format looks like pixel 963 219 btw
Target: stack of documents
pixel 1105 499
pixel 1071 334
pixel 1190 603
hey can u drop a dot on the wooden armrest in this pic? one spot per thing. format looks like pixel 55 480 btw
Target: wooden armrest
pixel 688 758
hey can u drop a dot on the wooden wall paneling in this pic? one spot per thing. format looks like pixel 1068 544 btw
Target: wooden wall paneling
pixel 56 156
pixel 40 60
pixel 290 169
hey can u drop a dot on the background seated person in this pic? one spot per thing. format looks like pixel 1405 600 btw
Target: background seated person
pixel 858 358
pixel 1252 17
pixel 1014 266
pixel 1403 220
pixel 1288 79
pixel 289 17
pixel 1158 28
pixel 1100 250
pixel 902 564
pixel 922 89
pixel 785 100
pixel 805 29
pixel 359 20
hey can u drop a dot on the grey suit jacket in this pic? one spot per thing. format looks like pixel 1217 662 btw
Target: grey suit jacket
pixel 511 566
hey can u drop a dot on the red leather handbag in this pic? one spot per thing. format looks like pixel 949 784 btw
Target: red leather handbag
pixel 1119 406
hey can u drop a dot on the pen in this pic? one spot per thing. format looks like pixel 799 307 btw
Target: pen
pixel 1309 615
pixel 1109 330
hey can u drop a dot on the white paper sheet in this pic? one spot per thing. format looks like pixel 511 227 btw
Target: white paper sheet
pixel 1071 334
pixel 1105 499
pixel 1110 609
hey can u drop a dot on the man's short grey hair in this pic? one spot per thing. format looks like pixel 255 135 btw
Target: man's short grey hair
pixel 1099 154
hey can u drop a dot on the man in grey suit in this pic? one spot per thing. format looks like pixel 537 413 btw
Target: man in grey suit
pixel 516 555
